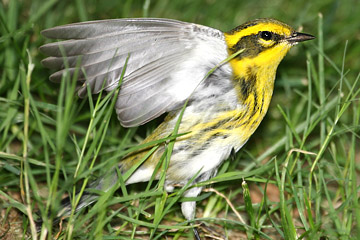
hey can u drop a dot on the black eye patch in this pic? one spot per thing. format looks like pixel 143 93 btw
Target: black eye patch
pixel 252 46
pixel 266 35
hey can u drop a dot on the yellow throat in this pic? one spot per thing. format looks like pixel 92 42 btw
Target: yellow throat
pixel 264 43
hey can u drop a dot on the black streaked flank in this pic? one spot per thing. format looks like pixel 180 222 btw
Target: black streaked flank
pixel 200 148
pixel 246 86
pixel 217 125
pixel 180 149
pixel 255 108
pixel 262 101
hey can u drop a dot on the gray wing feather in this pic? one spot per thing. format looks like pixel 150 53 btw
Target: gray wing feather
pixel 110 27
pixel 164 67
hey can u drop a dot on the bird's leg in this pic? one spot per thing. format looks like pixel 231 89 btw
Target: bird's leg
pixel 188 208
pixel 196 233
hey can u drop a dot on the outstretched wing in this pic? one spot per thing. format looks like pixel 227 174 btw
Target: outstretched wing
pixel 167 61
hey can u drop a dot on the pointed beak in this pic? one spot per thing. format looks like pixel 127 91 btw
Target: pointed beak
pixel 299 37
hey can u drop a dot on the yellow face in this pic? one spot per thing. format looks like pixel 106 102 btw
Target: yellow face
pixel 264 43
pixel 261 44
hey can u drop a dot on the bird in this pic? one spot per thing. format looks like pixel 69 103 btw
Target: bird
pixel 219 84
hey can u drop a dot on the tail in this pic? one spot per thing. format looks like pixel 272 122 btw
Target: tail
pixel 104 184
pixel 66 205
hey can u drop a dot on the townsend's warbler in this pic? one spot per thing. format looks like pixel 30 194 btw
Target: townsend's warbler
pixel 167 64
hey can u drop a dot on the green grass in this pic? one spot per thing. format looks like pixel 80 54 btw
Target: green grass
pixel 306 151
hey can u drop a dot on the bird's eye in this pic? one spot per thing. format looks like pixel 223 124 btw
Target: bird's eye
pixel 266 35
